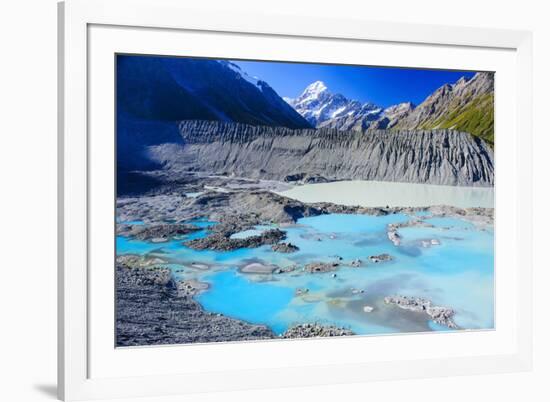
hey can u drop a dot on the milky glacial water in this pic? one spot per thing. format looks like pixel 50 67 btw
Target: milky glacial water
pixel 458 273
pixel 380 194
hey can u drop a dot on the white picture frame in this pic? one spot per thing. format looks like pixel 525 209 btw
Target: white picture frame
pixel 79 379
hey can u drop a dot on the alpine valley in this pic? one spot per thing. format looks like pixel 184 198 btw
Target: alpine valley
pixel 244 215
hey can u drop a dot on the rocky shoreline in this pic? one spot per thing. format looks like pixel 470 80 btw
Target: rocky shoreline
pixel 285 248
pixel 315 330
pixel 220 242
pixel 154 309
pixel 236 210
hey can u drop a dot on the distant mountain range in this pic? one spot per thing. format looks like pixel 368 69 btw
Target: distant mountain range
pixel 154 94
pixel 319 106
pixel 466 105
pixel 322 108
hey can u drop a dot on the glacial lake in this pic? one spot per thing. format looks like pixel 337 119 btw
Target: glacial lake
pixel 456 273
pixel 381 194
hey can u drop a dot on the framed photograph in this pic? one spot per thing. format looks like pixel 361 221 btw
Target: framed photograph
pixel 253 201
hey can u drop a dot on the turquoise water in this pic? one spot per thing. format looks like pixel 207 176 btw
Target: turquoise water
pixel 128 246
pixel 258 302
pixel 457 272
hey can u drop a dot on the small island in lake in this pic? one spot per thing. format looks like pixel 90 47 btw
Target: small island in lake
pixel 249 208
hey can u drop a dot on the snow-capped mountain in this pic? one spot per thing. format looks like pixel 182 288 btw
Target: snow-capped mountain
pixel 360 119
pixel 318 105
pixel 322 108
pixel 465 105
pixel 393 115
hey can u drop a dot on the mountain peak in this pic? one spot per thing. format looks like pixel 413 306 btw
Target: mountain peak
pixel 399 107
pixel 462 80
pixel 315 88
pixel 320 107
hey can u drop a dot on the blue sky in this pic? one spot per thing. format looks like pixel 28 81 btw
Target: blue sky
pixel 380 85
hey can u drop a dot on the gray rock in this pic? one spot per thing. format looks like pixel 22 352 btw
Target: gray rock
pixel 220 242
pixel 319 267
pixel 140 261
pixel 315 330
pixel 454 158
pixel 285 248
pixel 438 314
pixel 394 237
pixel 305 178
pixel 380 258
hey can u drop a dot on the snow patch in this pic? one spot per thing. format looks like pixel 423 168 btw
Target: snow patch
pixel 253 80
pixel 338 111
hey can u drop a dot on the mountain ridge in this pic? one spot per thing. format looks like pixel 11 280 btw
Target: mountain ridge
pixel 154 93
pixel 322 108
pixel 426 156
pixel 465 105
